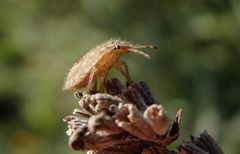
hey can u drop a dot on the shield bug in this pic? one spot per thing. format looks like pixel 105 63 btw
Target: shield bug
pixel 98 62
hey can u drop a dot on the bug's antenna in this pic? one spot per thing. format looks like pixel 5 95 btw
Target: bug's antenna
pixel 140 52
pixel 145 46
pixel 136 47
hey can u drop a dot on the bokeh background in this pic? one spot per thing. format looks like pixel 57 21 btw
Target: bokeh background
pixel 197 66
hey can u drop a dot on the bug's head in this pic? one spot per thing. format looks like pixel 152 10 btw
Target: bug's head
pixel 124 47
pixel 117 47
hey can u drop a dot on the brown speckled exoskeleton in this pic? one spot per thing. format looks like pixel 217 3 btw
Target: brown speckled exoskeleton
pixel 98 61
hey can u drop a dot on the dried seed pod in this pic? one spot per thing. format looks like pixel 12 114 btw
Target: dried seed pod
pixel 98 61
pixel 104 123
pixel 96 103
pixel 156 116
pixel 134 123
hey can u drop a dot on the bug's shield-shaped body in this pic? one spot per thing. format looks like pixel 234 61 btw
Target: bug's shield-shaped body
pixel 97 62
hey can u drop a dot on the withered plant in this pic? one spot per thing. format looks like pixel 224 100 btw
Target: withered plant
pixel 129 120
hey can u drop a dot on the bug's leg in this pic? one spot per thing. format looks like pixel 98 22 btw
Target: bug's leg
pixel 102 84
pixel 92 87
pixel 125 72
pixel 124 64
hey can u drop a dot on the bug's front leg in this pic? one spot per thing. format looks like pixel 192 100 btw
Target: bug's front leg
pixel 119 66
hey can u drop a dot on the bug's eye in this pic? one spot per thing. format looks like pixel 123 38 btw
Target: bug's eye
pixel 117 47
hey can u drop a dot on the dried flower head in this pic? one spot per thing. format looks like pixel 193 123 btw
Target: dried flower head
pixel 124 122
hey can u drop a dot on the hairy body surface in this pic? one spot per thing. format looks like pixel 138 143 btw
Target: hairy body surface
pixel 98 62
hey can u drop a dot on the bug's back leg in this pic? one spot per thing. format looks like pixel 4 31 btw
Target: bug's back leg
pixel 102 84
pixel 92 85
pixel 92 88
pixel 118 65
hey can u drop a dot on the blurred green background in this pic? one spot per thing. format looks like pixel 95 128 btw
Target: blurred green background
pixel 197 67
